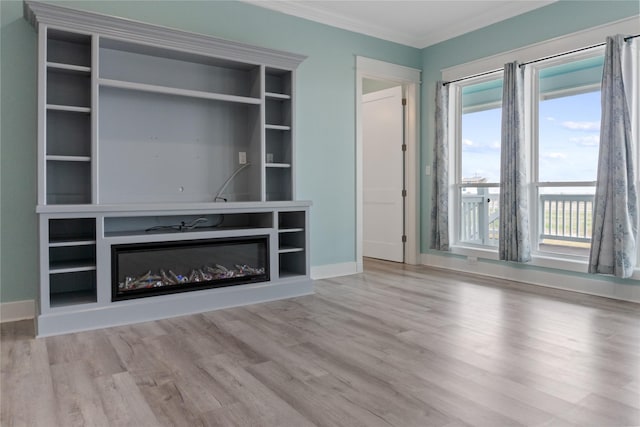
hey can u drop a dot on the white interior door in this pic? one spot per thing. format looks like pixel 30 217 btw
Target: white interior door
pixel 382 174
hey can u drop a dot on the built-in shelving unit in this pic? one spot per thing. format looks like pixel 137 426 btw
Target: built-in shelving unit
pixel 149 135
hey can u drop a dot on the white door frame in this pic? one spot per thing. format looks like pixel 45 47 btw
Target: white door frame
pixel 409 78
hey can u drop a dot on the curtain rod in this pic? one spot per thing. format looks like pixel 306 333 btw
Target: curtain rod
pixel 536 60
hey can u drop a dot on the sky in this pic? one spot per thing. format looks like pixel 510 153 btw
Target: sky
pixel 569 130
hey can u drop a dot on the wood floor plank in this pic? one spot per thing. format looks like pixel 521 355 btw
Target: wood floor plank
pixel 397 345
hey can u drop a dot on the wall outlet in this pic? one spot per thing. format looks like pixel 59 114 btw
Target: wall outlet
pixel 242 157
pixel 427 170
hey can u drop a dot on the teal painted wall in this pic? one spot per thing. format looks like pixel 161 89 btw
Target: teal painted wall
pixel 325 113
pixel 555 20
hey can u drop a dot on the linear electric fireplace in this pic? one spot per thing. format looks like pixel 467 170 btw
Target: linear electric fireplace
pixel 146 269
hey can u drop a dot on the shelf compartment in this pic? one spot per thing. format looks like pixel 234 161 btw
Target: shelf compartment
pixel 291 242
pixel 178 70
pixel 151 225
pixel 72 288
pixel 63 259
pixel 70 89
pixel 143 87
pixel 292 264
pixel 278 112
pixel 68 134
pixel 277 81
pixel 278 146
pixel 68 182
pixel 72 230
pixel 64 47
pixel 294 220
pixel 278 184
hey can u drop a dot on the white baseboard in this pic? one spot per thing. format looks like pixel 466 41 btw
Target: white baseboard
pixel 333 270
pixel 17 310
pixel 603 287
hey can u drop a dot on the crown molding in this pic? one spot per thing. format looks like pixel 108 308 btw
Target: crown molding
pixel 505 11
pixel 307 11
pixel 38 13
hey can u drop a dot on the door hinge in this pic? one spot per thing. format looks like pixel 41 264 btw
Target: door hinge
pixel 404 147
pixel 404 239
pixel 404 193
pixel 404 101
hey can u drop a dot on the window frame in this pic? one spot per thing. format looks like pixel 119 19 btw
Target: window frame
pixel 532 126
pixel 456 149
pixel 558 45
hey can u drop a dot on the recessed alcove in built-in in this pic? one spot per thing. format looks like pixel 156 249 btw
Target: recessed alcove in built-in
pixel 162 224
pixel 163 148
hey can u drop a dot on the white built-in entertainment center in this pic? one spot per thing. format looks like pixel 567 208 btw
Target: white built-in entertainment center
pixel 166 172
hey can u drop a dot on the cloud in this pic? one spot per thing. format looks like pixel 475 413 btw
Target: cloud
pixel 467 142
pixel 551 119
pixel 582 125
pixel 586 141
pixel 495 145
pixel 554 155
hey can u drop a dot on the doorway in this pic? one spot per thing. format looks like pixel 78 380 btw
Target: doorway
pixel 407 80
pixel 383 170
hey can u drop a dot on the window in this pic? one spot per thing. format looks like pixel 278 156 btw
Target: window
pixel 565 146
pixel 564 116
pixel 478 174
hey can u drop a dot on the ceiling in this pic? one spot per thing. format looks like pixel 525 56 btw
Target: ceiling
pixel 417 23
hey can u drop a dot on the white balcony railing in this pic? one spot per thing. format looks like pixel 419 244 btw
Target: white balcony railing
pixel 563 218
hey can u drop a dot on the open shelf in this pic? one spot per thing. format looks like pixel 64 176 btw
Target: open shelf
pixel 68 108
pixel 178 92
pixel 73 69
pixel 277 127
pixel 68 158
pixel 72 288
pixel 272 95
pixel 68 243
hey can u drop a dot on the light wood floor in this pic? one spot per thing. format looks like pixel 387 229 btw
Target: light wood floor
pixel 395 346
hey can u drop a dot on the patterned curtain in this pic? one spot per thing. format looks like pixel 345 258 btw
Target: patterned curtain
pixel 440 173
pixel 615 217
pixel 514 243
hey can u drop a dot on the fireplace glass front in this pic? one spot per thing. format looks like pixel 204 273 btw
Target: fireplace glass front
pixel 147 269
